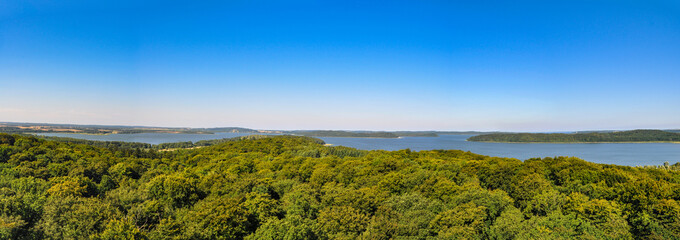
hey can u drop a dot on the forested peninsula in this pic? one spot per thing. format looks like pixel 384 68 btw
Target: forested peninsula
pixel 590 137
pixel 285 187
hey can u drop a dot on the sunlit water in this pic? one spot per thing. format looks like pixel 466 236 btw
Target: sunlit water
pixel 631 154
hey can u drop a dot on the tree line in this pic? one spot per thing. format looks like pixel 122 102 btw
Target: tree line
pixel 622 136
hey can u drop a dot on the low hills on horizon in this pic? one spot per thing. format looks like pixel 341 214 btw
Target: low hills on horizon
pixel 640 135
pixel 14 127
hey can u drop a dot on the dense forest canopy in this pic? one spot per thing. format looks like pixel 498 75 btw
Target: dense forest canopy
pixel 622 136
pixel 286 187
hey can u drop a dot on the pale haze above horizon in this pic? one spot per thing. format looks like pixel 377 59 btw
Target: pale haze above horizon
pixel 350 65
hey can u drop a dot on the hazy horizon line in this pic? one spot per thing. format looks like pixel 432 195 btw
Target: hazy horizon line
pixel 329 129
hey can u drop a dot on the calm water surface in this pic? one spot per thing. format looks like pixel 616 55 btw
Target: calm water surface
pixel 152 138
pixel 631 154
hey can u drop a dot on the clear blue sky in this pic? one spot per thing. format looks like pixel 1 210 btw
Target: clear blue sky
pixel 375 65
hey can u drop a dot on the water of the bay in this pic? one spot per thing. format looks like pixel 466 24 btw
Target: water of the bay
pixel 631 154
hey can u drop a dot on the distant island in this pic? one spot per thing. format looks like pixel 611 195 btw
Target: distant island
pixel 589 137
pixel 416 134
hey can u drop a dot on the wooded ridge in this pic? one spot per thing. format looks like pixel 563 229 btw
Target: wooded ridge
pixel 590 137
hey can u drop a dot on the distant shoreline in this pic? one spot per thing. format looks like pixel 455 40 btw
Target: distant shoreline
pixel 92 134
pixel 115 133
pixel 347 137
pixel 633 136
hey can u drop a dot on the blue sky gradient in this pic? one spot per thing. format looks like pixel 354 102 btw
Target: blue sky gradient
pixel 373 65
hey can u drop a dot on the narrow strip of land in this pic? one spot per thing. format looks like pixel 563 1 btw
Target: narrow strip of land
pixel 634 136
